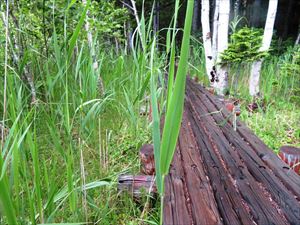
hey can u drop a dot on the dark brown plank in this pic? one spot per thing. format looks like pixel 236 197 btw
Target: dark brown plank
pixel 228 198
pixel 178 209
pixel 203 204
pixel 256 167
pixel 290 179
pixel 222 176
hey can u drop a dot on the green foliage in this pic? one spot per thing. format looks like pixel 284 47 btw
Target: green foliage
pixel 279 47
pixel 290 68
pixel 244 46
pixel 107 19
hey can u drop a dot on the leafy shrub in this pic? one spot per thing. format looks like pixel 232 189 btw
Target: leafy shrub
pixel 108 19
pixel 244 46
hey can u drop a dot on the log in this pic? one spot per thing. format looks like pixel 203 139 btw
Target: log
pixel 147 159
pixel 222 176
pixel 291 156
pixel 137 185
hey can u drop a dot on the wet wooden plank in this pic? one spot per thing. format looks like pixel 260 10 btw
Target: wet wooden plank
pixel 229 201
pixel 203 204
pixel 290 179
pixel 285 199
pixel 257 201
pixel 177 210
pixel 222 176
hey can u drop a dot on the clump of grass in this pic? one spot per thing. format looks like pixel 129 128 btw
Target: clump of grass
pixel 51 164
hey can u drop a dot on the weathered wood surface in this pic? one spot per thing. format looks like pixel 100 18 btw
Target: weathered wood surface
pixel 222 176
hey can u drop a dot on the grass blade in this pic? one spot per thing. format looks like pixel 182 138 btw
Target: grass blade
pixel 175 107
pixel 155 122
pixel 77 30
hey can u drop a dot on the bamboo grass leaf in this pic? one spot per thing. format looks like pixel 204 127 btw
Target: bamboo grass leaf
pixel 171 47
pixel 6 201
pixel 77 31
pixel 155 123
pixel 175 107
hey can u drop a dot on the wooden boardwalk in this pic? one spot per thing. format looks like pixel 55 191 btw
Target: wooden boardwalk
pixel 222 176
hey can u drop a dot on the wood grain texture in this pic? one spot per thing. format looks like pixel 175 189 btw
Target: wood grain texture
pixel 222 176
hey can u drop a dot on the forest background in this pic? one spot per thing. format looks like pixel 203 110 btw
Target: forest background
pixel 75 81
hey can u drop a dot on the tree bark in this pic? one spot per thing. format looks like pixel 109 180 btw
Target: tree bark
pixel 19 48
pixel 297 40
pixel 206 35
pixel 267 38
pixel 195 25
pixel 215 30
pixel 286 22
pixel 223 25
pixel 298 37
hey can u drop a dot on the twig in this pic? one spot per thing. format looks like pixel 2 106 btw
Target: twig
pixel 138 22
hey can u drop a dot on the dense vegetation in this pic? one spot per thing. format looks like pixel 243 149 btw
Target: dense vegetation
pixel 71 108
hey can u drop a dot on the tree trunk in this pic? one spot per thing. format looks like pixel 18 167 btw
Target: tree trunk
pixel 18 54
pixel 267 38
pixel 195 26
pixel 206 34
pixel 236 9
pixel 298 37
pixel 223 25
pixel 286 22
pixel 254 78
pixel 215 30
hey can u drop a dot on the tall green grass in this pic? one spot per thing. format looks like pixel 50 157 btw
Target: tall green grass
pixel 164 148
pixel 61 158
pixel 49 144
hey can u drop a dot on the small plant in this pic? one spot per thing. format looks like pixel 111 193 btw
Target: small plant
pixel 164 148
pixel 244 46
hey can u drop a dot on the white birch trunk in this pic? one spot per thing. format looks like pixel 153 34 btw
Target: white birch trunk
pixel 267 38
pixel 16 59
pixel 297 40
pixel 215 30
pixel 209 61
pixel 223 25
pixel 298 37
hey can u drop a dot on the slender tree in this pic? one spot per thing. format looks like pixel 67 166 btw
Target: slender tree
pixel 195 25
pixel 298 37
pixel 206 35
pixel 156 17
pixel 215 29
pixel 266 42
pixel 18 49
pixel 223 25
pixel 216 42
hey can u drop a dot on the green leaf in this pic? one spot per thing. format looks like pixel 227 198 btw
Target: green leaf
pixel 175 107
pixel 155 122
pixel 75 35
